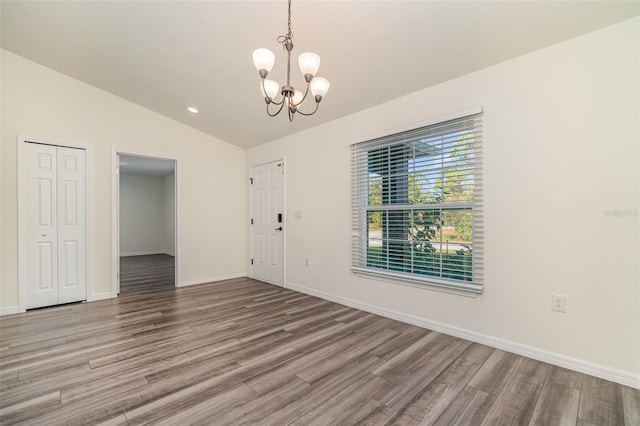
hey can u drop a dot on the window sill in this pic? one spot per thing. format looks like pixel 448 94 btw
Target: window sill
pixel 426 283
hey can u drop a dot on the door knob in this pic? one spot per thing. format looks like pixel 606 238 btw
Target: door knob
pixel 279 229
pixel 44 234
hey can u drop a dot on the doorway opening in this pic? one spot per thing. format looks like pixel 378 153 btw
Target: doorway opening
pixel 145 232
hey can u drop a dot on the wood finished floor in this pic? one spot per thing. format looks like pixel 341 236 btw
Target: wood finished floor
pixel 245 352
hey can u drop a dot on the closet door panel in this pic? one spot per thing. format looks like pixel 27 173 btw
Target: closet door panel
pixel 71 213
pixel 41 225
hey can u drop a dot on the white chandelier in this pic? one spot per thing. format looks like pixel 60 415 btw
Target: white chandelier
pixel 263 59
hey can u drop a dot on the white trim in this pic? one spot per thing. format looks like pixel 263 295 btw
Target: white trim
pixel 88 169
pixel 22 285
pixel 115 224
pixel 100 296
pixel 430 283
pixel 22 249
pixel 602 371
pixel 434 120
pixel 420 286
pixel 115 199
pixel 262 163
pixel 284 222
pixel 9 310
pixel 212 279
pixel 262 280
pixel 177 235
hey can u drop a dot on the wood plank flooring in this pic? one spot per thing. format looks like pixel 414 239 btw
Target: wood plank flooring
pixel 244 352
pixel 142 274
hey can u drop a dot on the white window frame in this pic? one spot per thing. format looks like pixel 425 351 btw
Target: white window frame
pixel 360 207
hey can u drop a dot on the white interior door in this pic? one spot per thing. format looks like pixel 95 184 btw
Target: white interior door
pixel 267 217
pixel 55 231
pixel 42 225
pixel 72 237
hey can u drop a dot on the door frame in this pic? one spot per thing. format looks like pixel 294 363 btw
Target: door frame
pixel 22 225
pixel 281 159
pixel 115 211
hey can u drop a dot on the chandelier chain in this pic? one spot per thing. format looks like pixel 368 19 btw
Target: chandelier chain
pixel 289 36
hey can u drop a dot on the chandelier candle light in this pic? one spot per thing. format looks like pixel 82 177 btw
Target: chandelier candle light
pixel 263 59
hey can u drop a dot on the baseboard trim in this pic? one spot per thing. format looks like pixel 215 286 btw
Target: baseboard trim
pixel 100 296
pixel 9 310
pixel 211 280
pixel 142 253
pixel 266 281
pixel 586 367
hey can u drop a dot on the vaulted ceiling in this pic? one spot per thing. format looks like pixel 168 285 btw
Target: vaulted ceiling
pixel 166 55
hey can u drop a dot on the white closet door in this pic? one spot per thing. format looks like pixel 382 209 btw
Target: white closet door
pixel 55 194
pixel 71 225
pixel 42 225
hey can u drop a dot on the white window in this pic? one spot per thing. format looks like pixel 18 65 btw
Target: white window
pixel 417 204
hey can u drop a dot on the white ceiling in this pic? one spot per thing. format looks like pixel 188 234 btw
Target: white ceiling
pixel 165 55
pixel 134 165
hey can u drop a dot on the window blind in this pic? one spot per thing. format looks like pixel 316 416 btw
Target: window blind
pixel 417 205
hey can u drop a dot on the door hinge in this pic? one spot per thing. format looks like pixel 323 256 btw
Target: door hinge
pixel 250 181
pixel 252 221
pixel 252 261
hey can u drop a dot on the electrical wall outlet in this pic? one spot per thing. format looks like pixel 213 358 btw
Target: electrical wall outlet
pixel 559 303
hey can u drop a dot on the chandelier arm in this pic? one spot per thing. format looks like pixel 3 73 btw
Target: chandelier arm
pixel 271 100
pixel 277 103
pixel 309 113
pixel 277 112
pixel 306 92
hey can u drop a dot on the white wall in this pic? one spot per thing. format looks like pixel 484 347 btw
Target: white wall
pixel 3 309
pixel 143 228
pixel 561 135
pixel 38 102
pixel 169 192
pixel 561 149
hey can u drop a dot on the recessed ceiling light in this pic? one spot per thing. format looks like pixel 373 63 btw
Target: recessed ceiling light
pixel 192 110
